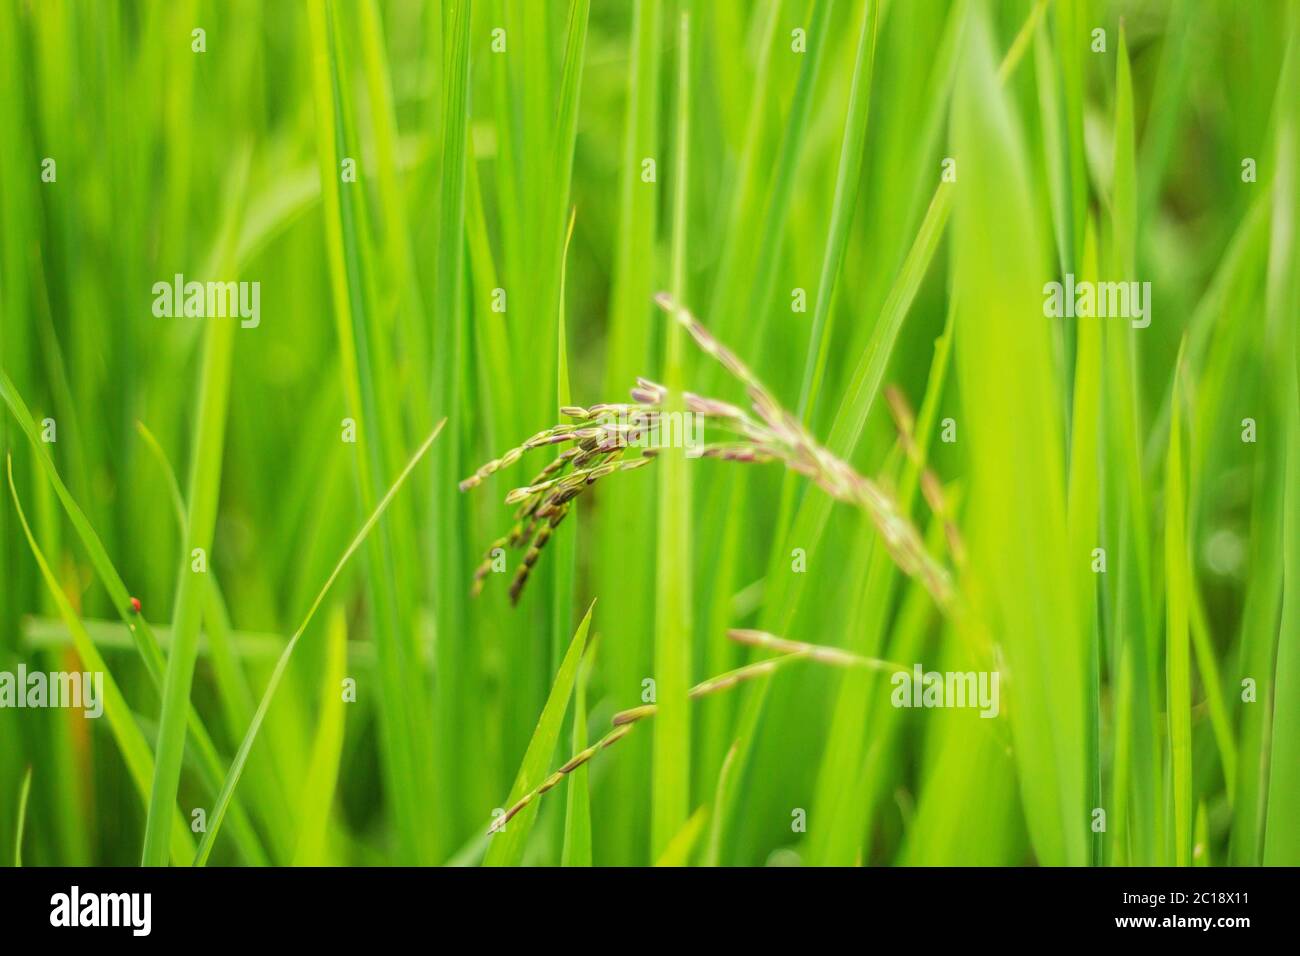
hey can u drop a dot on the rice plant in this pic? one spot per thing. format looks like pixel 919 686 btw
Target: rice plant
pixel 953 344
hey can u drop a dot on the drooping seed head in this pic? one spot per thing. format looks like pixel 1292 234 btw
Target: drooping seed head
pixel 516 495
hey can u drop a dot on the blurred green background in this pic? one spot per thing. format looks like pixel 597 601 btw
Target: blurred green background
pixel 778 165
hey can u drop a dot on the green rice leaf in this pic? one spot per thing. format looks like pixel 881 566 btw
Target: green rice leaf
pixel 24 792
pixel 1007 373
pixel 670 769
pixel 1177 641
pixel 577 812
pixel 241 756
pixel 509 839
pixel 130 740
pixel 317 795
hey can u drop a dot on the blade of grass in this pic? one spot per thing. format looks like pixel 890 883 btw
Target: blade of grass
pixel 1177 640
pixel 509 838
pixel 142 635
pixel 24 792
pixel 236 697
pixel 779 197
pixel 1167 98
pixel 130 741
pixel 1211 677
pixel 562 150
pixel 576 850
pixel 1084 507
pixel 1007 372
pixel 1281 841
pixel 241 756
pixel 1282 303
pixel 841 798
pixel 722 796
pixel 1201 850
pixel 843 204
pixel 396 237
pixel 576 847
pixel 317 795
pixel 367 385
pixel 621 836
pixel 670 771
pixel 565 545
pixel 1071 28
pixel 492 345
pixel 200 526
pixel 1140 819
pixel 847 177
pixel 1260 621
pixel 680 848
pixel 885 753
pixel 454 697
pixel 743 202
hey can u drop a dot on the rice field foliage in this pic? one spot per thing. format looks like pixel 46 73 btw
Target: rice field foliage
pixel 339 344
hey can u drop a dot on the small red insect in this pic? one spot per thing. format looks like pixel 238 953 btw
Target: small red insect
pixel 135 605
